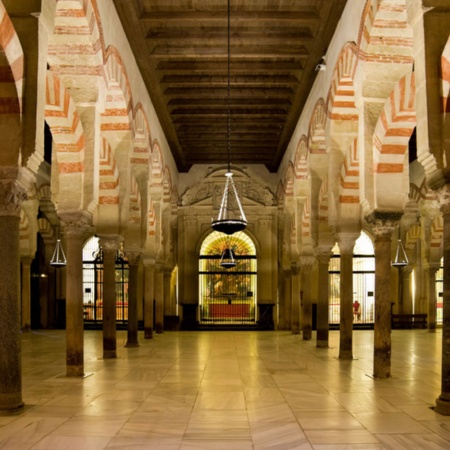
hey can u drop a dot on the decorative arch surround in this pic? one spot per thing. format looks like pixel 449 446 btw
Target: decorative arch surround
pixel 437 231
pixel 323 202
pixel 151 218
pixel 316 131
pixel 445 74
pixel 12 66
pixel 167 185
pixel 76 47
pixel 24 233
pixel 391 137
pixel 341 96
pixel 289 181
pixel 306 221
pixel 157 165
pixel 412 236
pixel 142 139
pixel 349 179
pixel 67 132
pixel 385 36
pixel 46 230
pixel 134 217
pixel 301 159
pixel 117 116
pixel 109 176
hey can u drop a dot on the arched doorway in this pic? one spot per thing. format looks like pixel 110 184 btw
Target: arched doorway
pixel 227 296
pixel 93 284
pixel 363 282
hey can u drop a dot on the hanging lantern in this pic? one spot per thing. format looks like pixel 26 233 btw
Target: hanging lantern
pixel 227 260
pixel 227 222
pixel 401 260
pixel 58 258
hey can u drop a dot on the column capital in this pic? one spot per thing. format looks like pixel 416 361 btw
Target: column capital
pixel 148 261
pixel 133 257
pixel 295 268
pixel 110 242
pixel 443 196
pixel 431 268
pixel 384 223
pixel 76 223
pixel 347 242
pixel 12 194
pixel 307 261
pixel 323 257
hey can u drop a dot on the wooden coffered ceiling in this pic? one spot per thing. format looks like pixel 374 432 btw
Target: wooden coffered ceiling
pixel 181 47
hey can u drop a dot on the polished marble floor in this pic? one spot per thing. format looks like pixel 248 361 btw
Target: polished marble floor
pixel 229 390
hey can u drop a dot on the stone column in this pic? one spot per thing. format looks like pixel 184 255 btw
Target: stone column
pixel 346 244
pixel 109 247
pixel 159 296
pixel 168 310
pixel 405 299
pixel 11 196
pixel 306 263
pixel 443 401
pixel 295 297
pixel 132 328
pixel 383 228
pixel 26 293
pixel 75 226
pixel 430 270
pixel 149 296
pixel 323 258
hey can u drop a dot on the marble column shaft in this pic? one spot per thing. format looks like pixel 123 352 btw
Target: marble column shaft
pixel 149 297
pixel 295 296
pixel 109 249
pixel 443 401
pixel 431 270
pixel 306 264
pixel 132 328
pixel 382 325
pixel 346 245
pixel 159 295
pixel 322 301
pixel 26 293
pixel 10 346
pixel 74 300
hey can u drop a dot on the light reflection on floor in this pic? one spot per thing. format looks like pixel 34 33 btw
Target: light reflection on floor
pixel 229 390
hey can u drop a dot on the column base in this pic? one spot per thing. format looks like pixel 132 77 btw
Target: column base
pixel 132 344
pixel 442 407
pixel 148 333
pixel 322 344
pixel 75 371
pixel 295 331
pixel 109 354
pixel 11 404
pixel 345 355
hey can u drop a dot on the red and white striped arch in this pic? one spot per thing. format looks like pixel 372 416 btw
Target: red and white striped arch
pixel 385 36
pixel 316 130
pixel 24 234
pixel 323 201
pixel 64 121
pixel 151 218
pixel 76 46
pixel 11 79
pixel 306 221
pixel 412 236
pixel 341 95
pixel 117 118
pixel 108 193
pixel 349 178
pixel 134 215
pixel 390 143
pixel 437 232
pixel 157 165
pixel 46 231
pixel 288 182
pixel 140 159
pixel 167 185
pixel 301 159
pixel 445 78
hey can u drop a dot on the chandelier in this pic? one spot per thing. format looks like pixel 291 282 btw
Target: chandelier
pixel 58 258
pixel 228 221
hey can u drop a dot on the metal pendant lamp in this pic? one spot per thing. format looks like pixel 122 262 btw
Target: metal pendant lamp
pixel 227 221
pixel 227 260
pixel 401 260
pixel 58 258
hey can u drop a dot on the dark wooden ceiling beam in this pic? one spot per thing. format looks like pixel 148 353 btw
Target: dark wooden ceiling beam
pixel 236 81
pixel 283 65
